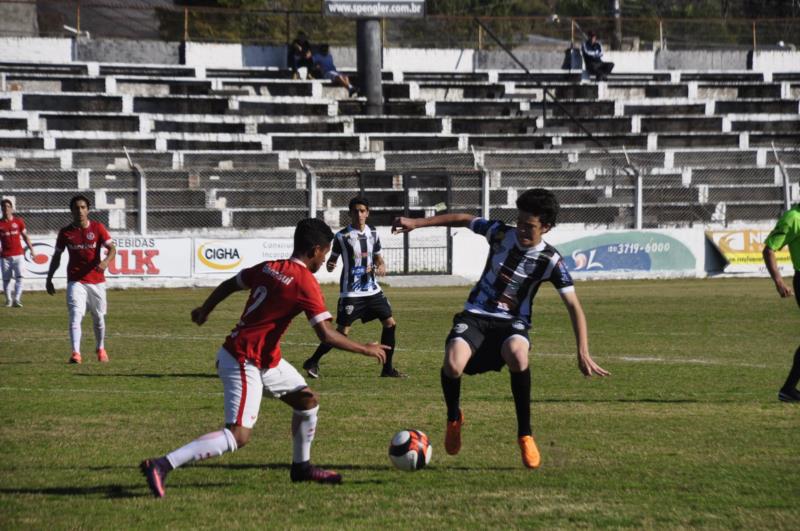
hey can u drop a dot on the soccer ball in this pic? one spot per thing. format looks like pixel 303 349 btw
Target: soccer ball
pixel 410 450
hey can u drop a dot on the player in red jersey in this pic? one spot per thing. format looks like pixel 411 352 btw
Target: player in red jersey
pixel 86 281
pixel 249 362
pixel 12 232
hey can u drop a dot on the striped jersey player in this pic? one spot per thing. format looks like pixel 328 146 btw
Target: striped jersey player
pixel 492 330
pixel 360 296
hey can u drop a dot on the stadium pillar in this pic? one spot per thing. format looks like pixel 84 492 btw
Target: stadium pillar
pixel 370 58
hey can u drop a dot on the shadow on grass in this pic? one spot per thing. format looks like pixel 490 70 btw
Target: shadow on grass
pixel 112 491
pixel 151 375
pixel 621 400
pixel 107 491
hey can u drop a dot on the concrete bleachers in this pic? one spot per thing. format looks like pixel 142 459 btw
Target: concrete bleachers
pixel 217 142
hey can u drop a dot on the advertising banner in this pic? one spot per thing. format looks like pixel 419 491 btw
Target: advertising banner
pixel 136 257
pixel 670 253
pixel 229 256
pixel 742 249
pixel 603 254
pixel 374 8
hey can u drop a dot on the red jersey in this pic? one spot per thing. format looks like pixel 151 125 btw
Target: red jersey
pixel 279 290
pixel 84 246
pixel 11 237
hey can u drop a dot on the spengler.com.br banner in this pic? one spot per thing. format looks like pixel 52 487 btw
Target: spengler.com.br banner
pixel 374 8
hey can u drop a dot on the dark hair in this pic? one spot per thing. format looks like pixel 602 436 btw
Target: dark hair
pixel 7 200
pixel 541 203
pixel 358 200
pixel 309 233
pixel 79 197
pixel 324 49
pixel 591 34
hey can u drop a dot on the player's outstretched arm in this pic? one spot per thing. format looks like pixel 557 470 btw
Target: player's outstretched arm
pixel 402 224
pixel 327 334
pixel 585 362
pixel 55 262
pixel 774 271
pixel 220 293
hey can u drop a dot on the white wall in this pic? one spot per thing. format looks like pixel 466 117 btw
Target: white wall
pixel 428 60
pixel 36 49
pixel 776 61
pixel 214 55
pixel 631 61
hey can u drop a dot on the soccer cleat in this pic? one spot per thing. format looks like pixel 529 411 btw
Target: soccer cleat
pixel 792 395
pixel 530 453
pixel 8 303
pixel 392 373
pixel 16 304
pixel 452 436
pixel 155 471
pixel 102 355
pixel 75 358
pixel 311 367
pixel 311 473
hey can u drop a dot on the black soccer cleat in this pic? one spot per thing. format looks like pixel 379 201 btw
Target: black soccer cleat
pixel 392 373
pixel 155 471
pixel 311 367
pixel 792 395
pixel 308 472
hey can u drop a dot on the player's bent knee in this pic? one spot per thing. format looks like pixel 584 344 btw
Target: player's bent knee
pixel 302 399
pixel 389 323
pixel 240 433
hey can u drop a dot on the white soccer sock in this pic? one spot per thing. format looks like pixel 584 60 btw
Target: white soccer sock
pixel 212 444
pixel 99 331
pixel 75 330
pixel 18 290
pixel 7 289
pixel 304 425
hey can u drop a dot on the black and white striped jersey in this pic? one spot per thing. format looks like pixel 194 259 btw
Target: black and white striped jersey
pixel 513 274
pixel 358 250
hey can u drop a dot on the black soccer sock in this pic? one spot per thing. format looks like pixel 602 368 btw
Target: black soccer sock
pixel 387 338
pixel 451 387
pixel 794 374
pixel 521 389
pixel 322 349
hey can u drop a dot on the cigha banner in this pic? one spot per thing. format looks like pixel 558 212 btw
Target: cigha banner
pixel 229 256
pixel 136 257
pixel 742 249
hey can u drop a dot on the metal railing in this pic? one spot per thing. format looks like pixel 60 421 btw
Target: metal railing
pixel 131 20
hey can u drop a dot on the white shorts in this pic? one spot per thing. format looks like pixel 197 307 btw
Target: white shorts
pixel 12 267
pixel 82 297
pixel 244 384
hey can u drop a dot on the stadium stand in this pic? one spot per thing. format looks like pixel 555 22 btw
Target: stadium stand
pixel 234 149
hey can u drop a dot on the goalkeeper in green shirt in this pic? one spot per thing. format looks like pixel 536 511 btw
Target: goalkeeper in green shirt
pixel 786 232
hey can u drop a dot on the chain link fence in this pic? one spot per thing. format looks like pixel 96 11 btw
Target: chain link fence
pixel 232 194
pixel 279 22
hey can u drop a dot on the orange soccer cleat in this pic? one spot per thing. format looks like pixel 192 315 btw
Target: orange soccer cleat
pixel 102 355
pixel 530 453
pixel 75 358
pixel 452 437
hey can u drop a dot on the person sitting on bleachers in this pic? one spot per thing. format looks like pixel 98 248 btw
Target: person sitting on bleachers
pixel 300 56
pixel 323 61
pixel 592 52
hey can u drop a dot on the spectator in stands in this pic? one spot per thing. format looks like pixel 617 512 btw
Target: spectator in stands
pixel 786 233
pixel 300 56
pixel 592 52
pixel 323 61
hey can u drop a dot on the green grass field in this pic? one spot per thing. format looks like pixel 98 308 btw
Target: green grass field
pixel 687 432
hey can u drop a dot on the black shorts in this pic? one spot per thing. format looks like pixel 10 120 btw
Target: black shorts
pixel 797 287
pixel 351 309
pixel 485 335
